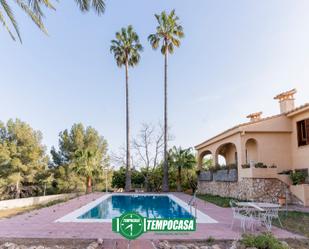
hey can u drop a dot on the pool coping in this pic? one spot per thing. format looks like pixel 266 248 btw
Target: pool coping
pixel 73 216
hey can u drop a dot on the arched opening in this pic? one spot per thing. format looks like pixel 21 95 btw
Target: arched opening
pixel 206 160
pixel 251 151
pixel 227 155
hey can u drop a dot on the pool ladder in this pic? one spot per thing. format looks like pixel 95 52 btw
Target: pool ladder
pixel 193 204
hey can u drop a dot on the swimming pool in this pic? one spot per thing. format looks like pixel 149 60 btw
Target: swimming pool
pixel 148 205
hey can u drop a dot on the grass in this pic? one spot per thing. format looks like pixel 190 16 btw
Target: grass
pixel 217 200
pixel 262 241
pixel 15 211
pixel 294 221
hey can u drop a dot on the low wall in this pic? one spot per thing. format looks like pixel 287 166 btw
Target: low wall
pixel 25 202
pixel 263 190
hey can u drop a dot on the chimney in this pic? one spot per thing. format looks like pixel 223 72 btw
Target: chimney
pixel 255 116
pixel 286 100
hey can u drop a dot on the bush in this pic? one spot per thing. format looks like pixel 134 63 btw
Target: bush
pixel 245 166
pixel 260 165
pixel 119 178
pixel 223 167
pixel 298 177
pixel 262 241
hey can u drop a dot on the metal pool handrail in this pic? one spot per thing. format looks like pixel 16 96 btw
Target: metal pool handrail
pixel 192 203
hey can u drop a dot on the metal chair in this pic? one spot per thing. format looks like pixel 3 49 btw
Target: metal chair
pixel 270 214
pixel 244 214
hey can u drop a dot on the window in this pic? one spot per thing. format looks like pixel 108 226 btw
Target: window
pixel 303 132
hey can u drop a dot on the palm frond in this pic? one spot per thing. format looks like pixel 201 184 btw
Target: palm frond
pixel 126 47
pixel 36 18
pixel 2 20
pixel 168 32
pixel 10 15
pixel 97 5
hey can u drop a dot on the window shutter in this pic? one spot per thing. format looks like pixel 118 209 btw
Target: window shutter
pixel 307 129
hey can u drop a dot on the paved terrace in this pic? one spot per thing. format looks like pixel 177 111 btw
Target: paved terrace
pixel 40 224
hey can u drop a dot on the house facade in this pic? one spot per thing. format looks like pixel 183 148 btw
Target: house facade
pixel 261 154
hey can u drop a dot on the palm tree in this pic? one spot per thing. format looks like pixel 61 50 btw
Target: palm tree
pixel 181 159
pixel 168 33
pixel 33 8
pixel 126 49
pixel 86 164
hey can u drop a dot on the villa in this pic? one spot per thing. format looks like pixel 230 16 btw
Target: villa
pixel 260 155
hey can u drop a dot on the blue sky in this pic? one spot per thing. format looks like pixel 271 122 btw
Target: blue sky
pixel 236 56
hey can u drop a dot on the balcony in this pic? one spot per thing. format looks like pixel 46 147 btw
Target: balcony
pixel 258 170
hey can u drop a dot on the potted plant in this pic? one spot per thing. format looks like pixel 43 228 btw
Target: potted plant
pixel 298 177
pixel 260 165
pixel 245 166
pixel 281 200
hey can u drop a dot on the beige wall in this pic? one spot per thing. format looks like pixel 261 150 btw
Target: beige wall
pixel 252 151
pixel 273 148
pixel 300 155
pixel 228 152
pixel 276 142
pixel 278 124
pixel 214 148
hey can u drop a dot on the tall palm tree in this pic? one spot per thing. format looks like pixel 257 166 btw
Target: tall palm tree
pixel 181 159
pixel 33 8
pixel 126 49
pixel 168 33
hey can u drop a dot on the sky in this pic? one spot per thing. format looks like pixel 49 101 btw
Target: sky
pixel 235 57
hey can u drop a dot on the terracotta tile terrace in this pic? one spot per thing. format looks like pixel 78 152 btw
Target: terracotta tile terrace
pixel 41 224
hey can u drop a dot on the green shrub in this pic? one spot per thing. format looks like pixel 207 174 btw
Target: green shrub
pixel 223 167
pixel 260 165
pixel 245 166
pixel 262 241
pixel 298 177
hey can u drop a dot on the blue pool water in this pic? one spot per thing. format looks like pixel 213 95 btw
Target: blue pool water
pixel 150 206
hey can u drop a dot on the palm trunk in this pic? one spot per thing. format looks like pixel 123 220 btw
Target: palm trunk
pixel 44 192
pixel 128 167
pixel 89 184
pixel 17 195
pixel 179 180
pixel 165 187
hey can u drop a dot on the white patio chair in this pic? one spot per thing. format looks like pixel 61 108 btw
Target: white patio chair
pixel 243 214
pixel 270 214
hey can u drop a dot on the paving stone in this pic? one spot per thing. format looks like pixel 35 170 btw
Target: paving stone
pixel 100 241
pixel 192 246
pixel 285 244
pixel 181 247
pixel 93 245
pixel 9 245
pixel 234 245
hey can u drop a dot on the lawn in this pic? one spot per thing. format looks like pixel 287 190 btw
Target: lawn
pixel 217 200
pixel 294 221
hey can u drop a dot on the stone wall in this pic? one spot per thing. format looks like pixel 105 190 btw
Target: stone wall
pixel 263 190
